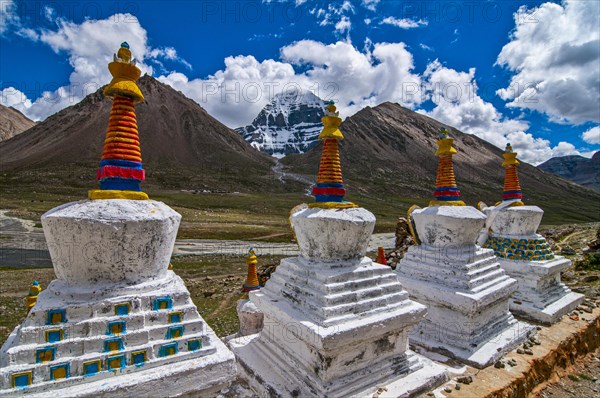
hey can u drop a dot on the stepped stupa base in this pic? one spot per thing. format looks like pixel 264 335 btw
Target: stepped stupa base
pixel 201 376
pixel 164 349
pixel 315 343
pixel 280 378
pixel 541 297
pixel 467 296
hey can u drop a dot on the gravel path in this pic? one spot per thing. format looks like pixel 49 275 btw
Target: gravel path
pixel 24 245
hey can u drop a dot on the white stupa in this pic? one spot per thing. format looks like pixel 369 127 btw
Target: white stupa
pixel 116 322
pixel 511 231
pixel 464 287
pixel 335 323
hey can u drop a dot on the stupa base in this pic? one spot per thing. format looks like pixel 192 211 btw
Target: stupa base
pixel 541 297
pixel 480 356
pixel 467 295
pixel 140 340
pixel 279 378
pixel 203 376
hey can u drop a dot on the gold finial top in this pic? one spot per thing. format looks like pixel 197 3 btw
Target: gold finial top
pixel 125 74
pixel 510 157
pixel 331 122
pixel 445 143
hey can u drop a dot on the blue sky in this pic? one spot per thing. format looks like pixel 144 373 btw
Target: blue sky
pixel 525 72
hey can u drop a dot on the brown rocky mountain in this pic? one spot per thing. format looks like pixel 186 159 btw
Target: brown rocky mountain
pixel 583 171
pixel 12 122
pixel 388 156
pixel 182 145
pixel 388 152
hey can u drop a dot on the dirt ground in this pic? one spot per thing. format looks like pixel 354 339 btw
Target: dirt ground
pixel 581 381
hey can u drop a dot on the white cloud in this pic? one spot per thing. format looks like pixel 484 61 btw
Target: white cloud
pixel 236 94
pixel 370 4
pixel 367 21
pixel 89 46
pixel 458 104
pixel 555 54
pixel 426 47
pixel 336 14
pixel 404 23
pixel 10 96
pixel 8 15
pixel 338 71
pixel 592 136
pixel 343 25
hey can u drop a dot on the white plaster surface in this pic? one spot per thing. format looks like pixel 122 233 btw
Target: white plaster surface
pixel 251 318
pixel 272 379
pixel 333 234
pixel 465 289
pixel 117 241
pixel 448 225
pixel 333 327
pixel 541 295
pixel 89 289
pixel 516 221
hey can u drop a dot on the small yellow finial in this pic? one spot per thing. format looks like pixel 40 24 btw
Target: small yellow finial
pixel 34 291
pixel 252 278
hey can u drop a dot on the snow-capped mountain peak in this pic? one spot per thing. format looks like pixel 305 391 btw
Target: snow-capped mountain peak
pixel 289 123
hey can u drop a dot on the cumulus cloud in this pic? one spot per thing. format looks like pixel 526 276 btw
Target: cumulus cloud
pixel 592 136
pixel 555 54
pixel 338 71
pixel 404 23
pixel 458 104
pixel 89 46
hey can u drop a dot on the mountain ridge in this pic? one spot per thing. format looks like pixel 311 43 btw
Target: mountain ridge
pixel 391 150
pixel 175 134
pixel 576 168
pixel 13 122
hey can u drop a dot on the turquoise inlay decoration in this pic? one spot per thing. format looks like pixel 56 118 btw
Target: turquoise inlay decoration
pixel 115 344
pixel 45 354
pixel 122 309
pixel 56 317
pixel 168 349
pixel 138 358
pixel 61 371
pixel 92 367
pixel 175 317
pixel 194 344
pixel 54 335
pixel 116 327
pixel 520 249
pixel 22 379
pixel 174 332
pixel 115 362
pixel 162 303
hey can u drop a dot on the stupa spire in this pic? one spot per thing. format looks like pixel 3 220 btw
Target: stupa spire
pixel 329 191
pixel 121 171
pixel 512 188
pixel 446 192
pixel 252 278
